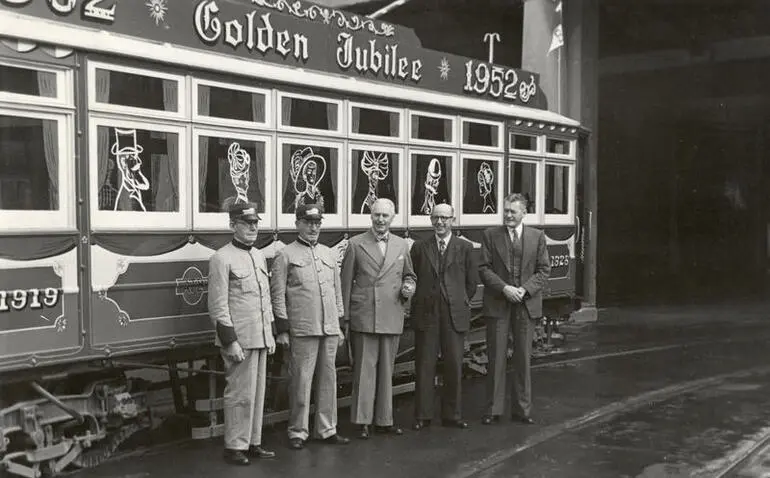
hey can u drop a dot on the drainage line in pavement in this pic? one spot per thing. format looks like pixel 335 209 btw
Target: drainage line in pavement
pixel 737 459
pixel 600 415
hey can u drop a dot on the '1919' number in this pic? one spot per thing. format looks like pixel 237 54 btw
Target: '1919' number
pixel 20 299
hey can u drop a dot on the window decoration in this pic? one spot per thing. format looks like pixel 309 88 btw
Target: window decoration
pixel 376 172
pixel 431 179
pixel 481 186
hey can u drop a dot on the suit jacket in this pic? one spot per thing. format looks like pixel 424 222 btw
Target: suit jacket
pixel 460 279
pixel 496 265
pixel 371 294
pixel 239 298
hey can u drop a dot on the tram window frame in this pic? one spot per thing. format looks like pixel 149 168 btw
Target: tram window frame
pixel 363 221
pixel 218 221
pixel 417 221
pixel 63 218
pixel 371 137
pixel 500 135
pixel 226 122
pixel 182 113
pixel 106 220
pixel 471 219
pixel 569 216
pixel 454 143
pixel 286 221
pixel 339 131
pixel 539 144
pixel 534 217
pixel 64 86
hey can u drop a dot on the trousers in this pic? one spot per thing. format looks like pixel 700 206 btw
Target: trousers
pixel 245 399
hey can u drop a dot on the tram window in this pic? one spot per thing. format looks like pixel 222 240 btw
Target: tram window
pixel 524 142
pixel 27 81
pixel 431 177
pixel 138 169
pixel 481 134
pixel 305 113
pixel 138 91
pixel 374 175
pixel 375 122
pixel 230 170
pixel 231 104
pixel 432 128
pixel 522 179
pixel 311 173
pixel 29 161
pixel 482 185
pixel 556 189
pixel 557 146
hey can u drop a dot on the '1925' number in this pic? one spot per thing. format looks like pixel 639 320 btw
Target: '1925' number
pixel 560 260
pixel 20 299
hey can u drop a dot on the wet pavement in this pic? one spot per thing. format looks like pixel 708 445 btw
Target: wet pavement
pixel 641 393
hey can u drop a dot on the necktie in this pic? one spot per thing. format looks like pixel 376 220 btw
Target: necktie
pixel 441 247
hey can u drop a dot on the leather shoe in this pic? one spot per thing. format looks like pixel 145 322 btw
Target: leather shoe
pixel 335 440
pixel 490 419
pixel 524 420
pixel 420 424
pixel 259 452
pixel 389 430
pixel 296 443
pixel 454 424
pixel 363 432
pixel 236 457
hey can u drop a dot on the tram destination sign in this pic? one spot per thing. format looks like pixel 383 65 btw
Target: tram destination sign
pixel 298 34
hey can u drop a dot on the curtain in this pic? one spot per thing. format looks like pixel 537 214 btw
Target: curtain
pixel 355 120
pixel 558 189
pixel 286 111
pixel 394 124
pixel 447 130
pixel 203 166
pixel 258 107
pixel 331 116
pixel 46 83
pixel 172 160
pixel 415 126
pixel 204 100
pixel 170 96
pixel 102 86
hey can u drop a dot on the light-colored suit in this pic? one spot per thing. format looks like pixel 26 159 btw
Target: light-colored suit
pixel 240 307
pixel 307 303
pixel 375 309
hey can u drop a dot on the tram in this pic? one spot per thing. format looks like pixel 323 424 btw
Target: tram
pixel 123 132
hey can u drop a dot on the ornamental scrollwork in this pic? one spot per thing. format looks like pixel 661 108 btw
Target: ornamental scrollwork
pixel 328 15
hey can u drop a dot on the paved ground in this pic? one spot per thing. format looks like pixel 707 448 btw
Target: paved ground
pixel 666 392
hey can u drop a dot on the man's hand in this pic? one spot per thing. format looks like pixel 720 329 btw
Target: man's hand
pixel 283 338
pixel 270 343
pixel 513 294
pixel 342 339
pixel 234 352
pixel 407 289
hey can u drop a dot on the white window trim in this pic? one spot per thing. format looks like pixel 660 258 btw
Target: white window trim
pixel 500 135
pixel 220 221
pixel 321 99
pixel 137 220
pixel 213 120
pixel 337 220
pixel 540 140
pixel 356 220
pixel 569 217
pixel 531 217
pixel 370 137
pixel 482 219
pixel 427 142
pixel 143 113
pixel 572 148
pixel 64 86
pixel 420 220
pixel 62 219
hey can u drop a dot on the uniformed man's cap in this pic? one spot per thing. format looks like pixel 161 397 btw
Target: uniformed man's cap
pixel 244 211
pixel 310 212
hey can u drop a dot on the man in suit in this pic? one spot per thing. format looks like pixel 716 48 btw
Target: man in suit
pixel 447 276
pixel 307 305
pixel 514 268
pixel 240 307
pixel 377 280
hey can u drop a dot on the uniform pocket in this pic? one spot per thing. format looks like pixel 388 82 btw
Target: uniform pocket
pixel 243 279
pixel 300 271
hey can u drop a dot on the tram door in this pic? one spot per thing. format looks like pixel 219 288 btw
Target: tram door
pixel 719 212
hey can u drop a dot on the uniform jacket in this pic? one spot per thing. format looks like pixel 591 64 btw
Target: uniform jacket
pixel 239 297
pixel 371 285
pixel 306 290
pixel 495 268
pixel 460 279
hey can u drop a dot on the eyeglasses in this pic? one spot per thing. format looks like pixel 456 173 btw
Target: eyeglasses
pixel 249 224
pixel 312 223
pixel 441 218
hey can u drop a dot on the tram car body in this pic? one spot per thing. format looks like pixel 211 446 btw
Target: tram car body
pixel 123 131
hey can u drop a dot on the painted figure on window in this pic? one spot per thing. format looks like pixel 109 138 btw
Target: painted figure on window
pixel 240 165
pixel 486 180
pixel 129 164
pixel 376 167
pixel 307 170
pixel 432 179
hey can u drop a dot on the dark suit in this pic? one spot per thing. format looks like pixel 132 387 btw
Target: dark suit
pixel 523 265
pixel 441 317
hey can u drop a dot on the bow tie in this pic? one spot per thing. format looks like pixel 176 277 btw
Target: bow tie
pixel 382 238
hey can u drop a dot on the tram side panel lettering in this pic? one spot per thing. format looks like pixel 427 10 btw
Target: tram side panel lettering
pixel 30 298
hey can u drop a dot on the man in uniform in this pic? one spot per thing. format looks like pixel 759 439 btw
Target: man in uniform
pixel 240 307
pixel 447 277
pixel 377 280
pixel 307 305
